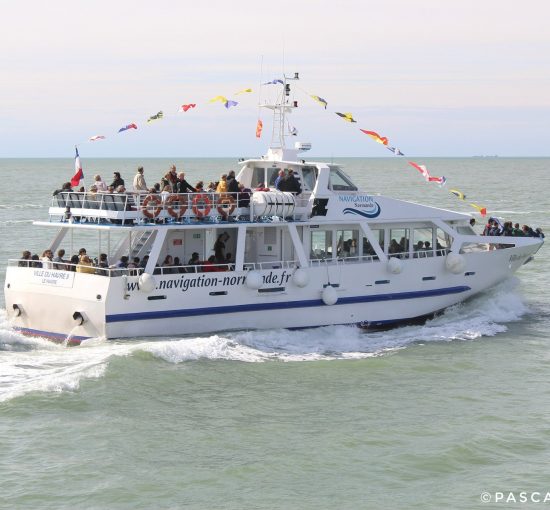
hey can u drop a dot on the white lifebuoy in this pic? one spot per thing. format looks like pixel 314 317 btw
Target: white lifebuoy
pixel 455 263
pixel 300 278
pixel 395 265
pixel 254 280
pixel 329 295
pixel 146 282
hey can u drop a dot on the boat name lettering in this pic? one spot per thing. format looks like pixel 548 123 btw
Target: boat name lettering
pixel 518 256
pixel 52 277
pixel 185 283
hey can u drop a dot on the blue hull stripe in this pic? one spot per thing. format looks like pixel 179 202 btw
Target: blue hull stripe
pixel 255 307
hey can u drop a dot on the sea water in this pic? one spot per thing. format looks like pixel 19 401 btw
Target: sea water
pixel 440 415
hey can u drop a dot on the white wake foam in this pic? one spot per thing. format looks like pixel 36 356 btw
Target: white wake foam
pixel 30 364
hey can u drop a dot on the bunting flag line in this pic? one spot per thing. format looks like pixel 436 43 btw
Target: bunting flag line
pixel 243 91
pixel 424 171
pixel 184 107
pixel 320 100
pixel 348 117
pixel 157 116
pixel 96 138
pixel 78 173
pixel 259 127
pixel 397 152
pixel 376 137
pixel 273 82
pixel 457 194
pixel 128 126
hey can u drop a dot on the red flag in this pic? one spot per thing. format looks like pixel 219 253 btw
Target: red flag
pixel 259 128
pixel 185 107
pixel 376 137
pixel 79 174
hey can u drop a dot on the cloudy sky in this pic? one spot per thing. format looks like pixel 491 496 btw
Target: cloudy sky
pixel 437 77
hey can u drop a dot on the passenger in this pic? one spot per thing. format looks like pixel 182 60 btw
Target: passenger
pixel 177 265
pixel 102 264
pixel 539 233
pixel 81 189
pixel 211 188
pixel 208 266
pixel 121 189
pixel 143 263
pixel 81 253
pixel 280 181
pixel 528 231
pixel 472 222
pixel 168 265
pixel 59 262
pixel 507 229
pixel 230 262
pixel 394 247
pixel 140 186
pixel 110 189
pixel 293 184
pixel 117 180
pixel 36 261
pixel 85 265
pixel 182 186
pixel 222 184
pixel 419 250
pixel 193 262
pixel 47 257
pixel 99 184
pixel 232 184
pixel 199 187
pixel 75 259
pixel 219 248
pixel 517 232
pixel 428 249
pixel 66 187
pixel 122 262
pixel 165 193
pixel 244 196
pixel 25 259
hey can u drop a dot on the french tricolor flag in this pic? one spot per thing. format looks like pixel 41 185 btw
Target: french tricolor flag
pixel 79 174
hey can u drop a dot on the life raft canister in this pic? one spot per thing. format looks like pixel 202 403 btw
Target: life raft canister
pixel 176 205
pixel 151 206
pixel 226 205
pixel 201 205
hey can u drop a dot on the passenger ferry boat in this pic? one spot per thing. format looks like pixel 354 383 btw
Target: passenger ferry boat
pixel 330 255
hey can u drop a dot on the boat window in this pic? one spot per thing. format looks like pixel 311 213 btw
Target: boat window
pixel 367 247
pixel 443 242
pixel 321 244
pixel 258 178
pixel 309 174
pixel 272 174
pixel 466 230
pixel 423 242
pixel 347 241
pixel 399 241
pixel 339 181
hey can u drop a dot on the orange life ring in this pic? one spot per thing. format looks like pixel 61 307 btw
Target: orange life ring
pixel 176 205
pixel 154 210
pixel 201 205
pixel 225 200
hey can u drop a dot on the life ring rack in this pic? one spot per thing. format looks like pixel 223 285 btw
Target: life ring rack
pixel 201 205
pixel 151 206
pixel 176 205
pixel 224 201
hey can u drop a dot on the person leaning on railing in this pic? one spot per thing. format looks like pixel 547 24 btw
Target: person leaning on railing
pixel 85 265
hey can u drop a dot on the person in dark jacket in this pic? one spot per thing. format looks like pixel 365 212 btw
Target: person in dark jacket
pixel 232 184
pixel 66 187
pixel 293 184
pixel 117 180
pixel 182 186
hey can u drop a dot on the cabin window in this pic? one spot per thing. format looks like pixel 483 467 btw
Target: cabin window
pixel 368 249
pixel 399 242
pixel 309 174
pixel 321 244
pixel 443 243
pixel 258 178
pixel 339 181
pixel 466 230
pixel 347 242
pixel 423 242
pixel 272 174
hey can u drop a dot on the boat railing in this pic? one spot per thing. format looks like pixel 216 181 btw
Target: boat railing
pixel 142 208
pixel 280 264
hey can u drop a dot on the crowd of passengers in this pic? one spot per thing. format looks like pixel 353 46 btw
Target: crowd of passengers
pixel 495 228
pixel 83 263
pixel 174 182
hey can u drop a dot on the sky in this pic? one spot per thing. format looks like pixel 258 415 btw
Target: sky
pixel 437 77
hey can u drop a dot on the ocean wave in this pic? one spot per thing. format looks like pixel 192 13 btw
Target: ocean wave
pixel 31 365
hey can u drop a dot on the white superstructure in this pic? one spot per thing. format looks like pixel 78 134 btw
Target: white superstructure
pixel 330 255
